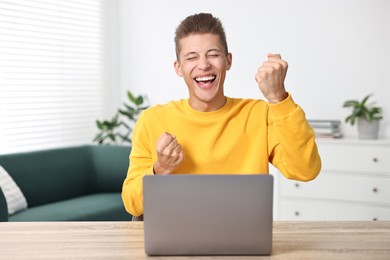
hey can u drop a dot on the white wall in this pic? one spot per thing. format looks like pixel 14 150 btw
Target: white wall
pixel 336 49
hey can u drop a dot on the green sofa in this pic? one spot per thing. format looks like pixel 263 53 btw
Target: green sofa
pixel 80 183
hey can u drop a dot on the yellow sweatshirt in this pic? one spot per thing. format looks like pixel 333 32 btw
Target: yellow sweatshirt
pixel 239 138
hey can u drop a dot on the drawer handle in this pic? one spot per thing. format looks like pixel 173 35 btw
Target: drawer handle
pixel 375 190
pixel 296 185
pixel 375 159
pixel 296 213
pixel 375 219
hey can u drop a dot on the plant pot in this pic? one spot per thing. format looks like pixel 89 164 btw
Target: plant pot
pixel 368 129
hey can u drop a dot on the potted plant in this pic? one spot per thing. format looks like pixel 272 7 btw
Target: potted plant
pixel 118 130
pixel 367 116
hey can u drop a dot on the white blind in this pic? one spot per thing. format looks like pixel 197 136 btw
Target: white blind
pixel 51 73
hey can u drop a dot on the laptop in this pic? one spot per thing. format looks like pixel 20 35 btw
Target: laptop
pixel 188 214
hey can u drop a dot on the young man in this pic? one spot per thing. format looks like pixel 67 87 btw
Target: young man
pixel 210 133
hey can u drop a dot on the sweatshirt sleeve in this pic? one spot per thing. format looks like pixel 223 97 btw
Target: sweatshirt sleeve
pixel 292 147
pixel 141 164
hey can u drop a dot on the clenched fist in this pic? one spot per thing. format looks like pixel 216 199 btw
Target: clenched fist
pixel 270 78
pixel 169 153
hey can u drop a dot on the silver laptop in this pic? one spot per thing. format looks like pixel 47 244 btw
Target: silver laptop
pixel 208 214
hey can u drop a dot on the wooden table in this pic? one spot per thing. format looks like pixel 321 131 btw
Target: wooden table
pixel 124 240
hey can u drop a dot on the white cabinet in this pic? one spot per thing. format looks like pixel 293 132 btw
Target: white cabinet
pixel 354 184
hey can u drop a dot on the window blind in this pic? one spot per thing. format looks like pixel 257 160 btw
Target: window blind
pixel 51 73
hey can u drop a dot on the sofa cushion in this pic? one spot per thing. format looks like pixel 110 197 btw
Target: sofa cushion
pixel 110 164
pixel 95 207
pixel 51 175
pixel 12 193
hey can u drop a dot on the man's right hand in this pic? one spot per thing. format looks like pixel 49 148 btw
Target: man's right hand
pixel 169 153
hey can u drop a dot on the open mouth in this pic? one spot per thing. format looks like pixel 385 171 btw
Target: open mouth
pixel 205 81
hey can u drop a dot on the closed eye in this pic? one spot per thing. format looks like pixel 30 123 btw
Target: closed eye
pixel 213 55
pixel 191 58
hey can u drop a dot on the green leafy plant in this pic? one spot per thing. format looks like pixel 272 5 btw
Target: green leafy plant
pixel 118 130
pixel 362 109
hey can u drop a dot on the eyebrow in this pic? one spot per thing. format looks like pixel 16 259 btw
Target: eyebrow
pixel 195 53
pixel 217 50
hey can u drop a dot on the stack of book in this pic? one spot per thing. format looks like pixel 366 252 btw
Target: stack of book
pixel 326 128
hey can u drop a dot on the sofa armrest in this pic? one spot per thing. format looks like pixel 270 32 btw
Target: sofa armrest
pixel 3 207
pixel 110 163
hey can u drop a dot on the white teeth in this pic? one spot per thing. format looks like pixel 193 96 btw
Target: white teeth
pixel 205 78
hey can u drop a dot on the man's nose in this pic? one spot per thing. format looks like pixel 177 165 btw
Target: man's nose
pixel 203 63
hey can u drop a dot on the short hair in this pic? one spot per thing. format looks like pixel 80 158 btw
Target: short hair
pixel 201 23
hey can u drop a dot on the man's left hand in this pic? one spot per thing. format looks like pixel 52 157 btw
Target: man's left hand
pixel 270 78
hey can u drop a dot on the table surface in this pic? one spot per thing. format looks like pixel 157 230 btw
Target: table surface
pixel 125 240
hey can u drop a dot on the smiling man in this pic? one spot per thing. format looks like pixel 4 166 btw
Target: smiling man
pixel 209 133
pixel 203 62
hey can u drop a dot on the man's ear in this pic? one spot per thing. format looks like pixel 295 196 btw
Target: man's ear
pixel 178 68
pixel 229 60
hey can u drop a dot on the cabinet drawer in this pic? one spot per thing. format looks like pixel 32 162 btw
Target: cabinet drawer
pixel 295 209
pixel 340 186
pixel 354 157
